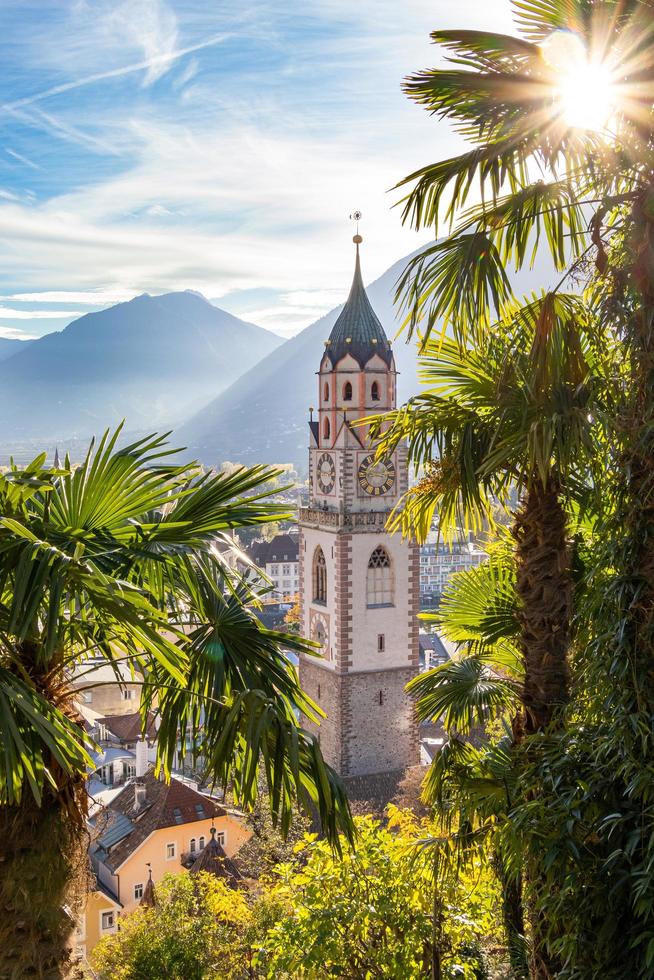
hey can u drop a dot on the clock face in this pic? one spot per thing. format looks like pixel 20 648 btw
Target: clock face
pixel 378 478
pixel 320 632
pixel 326 473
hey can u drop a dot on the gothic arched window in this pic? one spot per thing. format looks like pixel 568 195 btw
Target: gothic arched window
pixel 374 391
pixel 347 392
pixel 319 576
pixel 326 392
pixel 325 428
pixel 379 580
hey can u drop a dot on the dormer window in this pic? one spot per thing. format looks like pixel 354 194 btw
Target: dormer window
pixel 374 391
pixel 347 392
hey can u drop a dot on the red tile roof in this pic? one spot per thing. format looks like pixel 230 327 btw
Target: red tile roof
pixel 166 805
pixel 127 728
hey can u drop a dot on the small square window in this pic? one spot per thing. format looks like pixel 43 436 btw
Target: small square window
pixel 220 837
pixel 138 891
pixel 170 852
pixel 108 921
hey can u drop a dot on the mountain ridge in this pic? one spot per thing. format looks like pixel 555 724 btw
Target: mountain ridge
pixel 151 359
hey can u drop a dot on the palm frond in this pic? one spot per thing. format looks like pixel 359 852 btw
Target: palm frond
pixel 478 608
pixel 463 692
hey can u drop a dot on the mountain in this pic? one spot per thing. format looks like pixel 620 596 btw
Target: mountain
pixel 153 360
pixel 9 346
pixel 262 417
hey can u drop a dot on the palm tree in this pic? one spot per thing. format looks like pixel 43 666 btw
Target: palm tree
pixel 559 122
pixel 119 556
pixel 472 786
pixel 515 415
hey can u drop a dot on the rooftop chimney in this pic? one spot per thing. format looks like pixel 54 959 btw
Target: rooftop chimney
pixel 141 758
pixel 140 794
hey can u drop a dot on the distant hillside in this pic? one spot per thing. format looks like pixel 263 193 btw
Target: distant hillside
pixel 154 361
pixel 263 416
pixel 9 346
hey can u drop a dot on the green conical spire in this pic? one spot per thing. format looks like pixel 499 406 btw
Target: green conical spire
pixel 357 330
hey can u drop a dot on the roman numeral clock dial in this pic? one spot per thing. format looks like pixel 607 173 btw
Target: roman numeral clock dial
pixel 326 473
pixel 376 478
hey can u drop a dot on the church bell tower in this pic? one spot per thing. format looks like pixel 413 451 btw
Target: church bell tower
pixel 358 583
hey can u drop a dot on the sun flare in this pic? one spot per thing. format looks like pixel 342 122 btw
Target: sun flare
pixel 585 92
pixel 586 97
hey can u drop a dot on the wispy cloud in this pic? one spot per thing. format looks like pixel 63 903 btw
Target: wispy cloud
pixel 6 313
pixel 227 160
pixel 157 61
pixel 91 297
pixel 12 333
pixel 22 159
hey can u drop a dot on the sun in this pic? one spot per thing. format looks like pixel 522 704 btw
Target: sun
pixel 584 90
pixel 586 97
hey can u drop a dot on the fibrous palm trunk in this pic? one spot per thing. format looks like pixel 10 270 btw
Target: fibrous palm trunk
pixel 544 587
pixel 512 918
pixel 43 864
pixel 42 857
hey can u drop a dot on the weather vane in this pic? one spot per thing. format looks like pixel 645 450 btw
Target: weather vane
pixel 356 216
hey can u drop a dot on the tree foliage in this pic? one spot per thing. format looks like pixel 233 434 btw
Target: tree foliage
pixel 194 932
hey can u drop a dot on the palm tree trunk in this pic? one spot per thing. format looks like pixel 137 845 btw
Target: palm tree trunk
pixel 544 585
pixel 512 918
pixel 43 856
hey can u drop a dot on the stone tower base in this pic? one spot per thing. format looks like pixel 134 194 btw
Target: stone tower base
pixel 385 735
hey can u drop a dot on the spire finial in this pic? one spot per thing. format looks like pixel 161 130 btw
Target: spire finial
pixel 357 239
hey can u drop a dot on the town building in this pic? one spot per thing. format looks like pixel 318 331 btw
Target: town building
pixel 435 650
pixel 358 583
pixel 149 829
pixel 440 559
pixel 105 688
pixel 119 739
pixel 279 559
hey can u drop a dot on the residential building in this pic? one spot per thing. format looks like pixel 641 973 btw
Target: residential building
pixel 118 738
pixel 150 828
pixel 108 689
pixel 279 559
pixel 358 583
pixel 435 649
pixel 439 560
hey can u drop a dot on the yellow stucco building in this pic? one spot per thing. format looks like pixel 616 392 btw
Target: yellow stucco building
pixel 150 827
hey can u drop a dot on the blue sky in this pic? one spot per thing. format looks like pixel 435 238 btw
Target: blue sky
pixel 219 146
